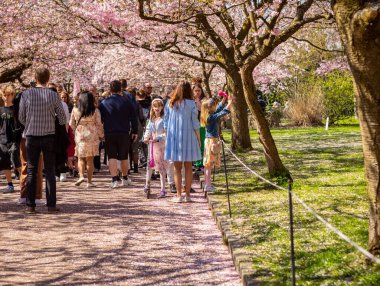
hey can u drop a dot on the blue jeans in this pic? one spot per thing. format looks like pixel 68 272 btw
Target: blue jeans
pixel 34 146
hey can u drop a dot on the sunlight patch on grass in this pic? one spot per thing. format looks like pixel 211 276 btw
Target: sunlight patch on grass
pixel 328 173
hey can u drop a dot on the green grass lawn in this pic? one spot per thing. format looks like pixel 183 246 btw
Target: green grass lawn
pixel 328 173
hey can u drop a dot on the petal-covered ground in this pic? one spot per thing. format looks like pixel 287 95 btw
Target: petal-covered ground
pixel 112 237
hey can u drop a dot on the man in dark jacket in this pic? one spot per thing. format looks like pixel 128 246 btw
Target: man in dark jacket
pixel 120 127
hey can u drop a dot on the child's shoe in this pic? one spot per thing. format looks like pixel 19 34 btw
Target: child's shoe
pixel 147 191
pixel 8 189
pixel 162 194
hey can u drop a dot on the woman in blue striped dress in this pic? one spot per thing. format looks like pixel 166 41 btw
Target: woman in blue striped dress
pixel 183 142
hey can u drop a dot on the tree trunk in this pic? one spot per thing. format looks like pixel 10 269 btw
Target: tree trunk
pixel 14 73
pixel 239 115
pixel 206 78
pixel 274 163
pixel 207 86
pixel 359 27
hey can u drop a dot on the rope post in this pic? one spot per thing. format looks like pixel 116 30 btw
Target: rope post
pixel 225 173
pixel 290 182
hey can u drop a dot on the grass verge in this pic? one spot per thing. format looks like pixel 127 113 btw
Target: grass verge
pixel 327 168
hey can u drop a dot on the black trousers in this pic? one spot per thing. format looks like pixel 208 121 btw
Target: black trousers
pixel 34 146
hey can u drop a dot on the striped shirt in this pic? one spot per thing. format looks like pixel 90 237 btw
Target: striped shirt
pixel 38 107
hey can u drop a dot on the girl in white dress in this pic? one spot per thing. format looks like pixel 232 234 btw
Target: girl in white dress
pixel 156 137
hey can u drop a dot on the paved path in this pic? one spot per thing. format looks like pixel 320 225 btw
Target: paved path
pixel 112 237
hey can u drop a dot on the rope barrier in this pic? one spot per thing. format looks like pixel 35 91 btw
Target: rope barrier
pixel 328 225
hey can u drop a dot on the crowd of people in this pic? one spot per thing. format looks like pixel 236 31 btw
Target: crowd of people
pixel 45 132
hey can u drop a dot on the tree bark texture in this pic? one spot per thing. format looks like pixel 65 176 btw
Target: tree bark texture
pixel 274 163
pixel 359 26
pixel 14 73
pixel 240 130
pixel 206 78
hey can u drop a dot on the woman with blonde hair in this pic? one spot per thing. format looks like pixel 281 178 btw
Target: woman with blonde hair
pixel 183 140
pixel 9 140
pixel 212 112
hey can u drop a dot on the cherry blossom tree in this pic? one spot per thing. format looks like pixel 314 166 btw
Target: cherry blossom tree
pixel 237 36
pixel 36 33
pixel 233 35
pixel 139 66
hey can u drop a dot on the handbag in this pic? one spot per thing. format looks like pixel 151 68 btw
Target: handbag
pixel 151 159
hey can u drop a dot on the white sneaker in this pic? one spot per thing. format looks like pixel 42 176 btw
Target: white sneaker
pixel 21 201
pixel 177 199
pixel 114 185
pixel 56 178
pixel 63 177
pixel 188 199
pixel 79 182
pixel 40 203
pixel 126 183
pixel 210 189
pixel 90 185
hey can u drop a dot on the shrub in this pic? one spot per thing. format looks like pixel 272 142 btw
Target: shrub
pixel 306 107
pixel 311 97
pixel 338 93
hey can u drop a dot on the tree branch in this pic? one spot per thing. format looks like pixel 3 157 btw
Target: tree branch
pixel 202 19
pixel 12 74
pixel 315 46
pixel 197 58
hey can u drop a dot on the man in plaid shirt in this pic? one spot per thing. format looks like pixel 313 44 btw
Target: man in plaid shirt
pixel 38 108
